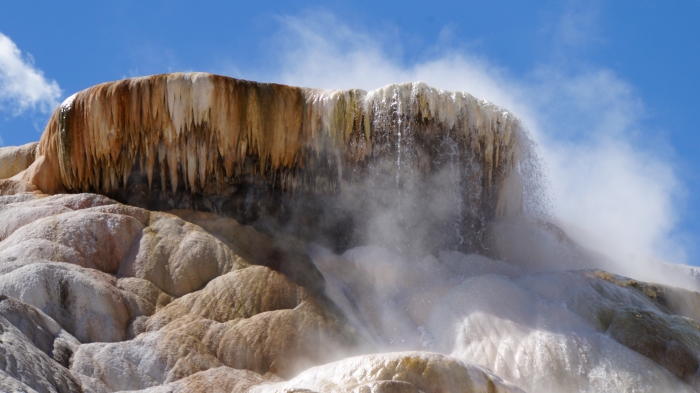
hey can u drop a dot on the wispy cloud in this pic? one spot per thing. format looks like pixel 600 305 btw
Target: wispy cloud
pixel 23 87
pixel 610 189
pixel 578 24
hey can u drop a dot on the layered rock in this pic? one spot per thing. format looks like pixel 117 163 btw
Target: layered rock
pixel 15 159
pixel 59 254
pixel 274 155
pixel 211 319
pixel 454 288
pixel 202 130
pixel 404 372
pixel 90 305
pixel 554 331
pixel 34 350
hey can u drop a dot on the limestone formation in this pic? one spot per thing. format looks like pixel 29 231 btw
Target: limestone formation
pixel 272 155
pixel 17 189
pixel 15 159
pixel 34 350
pixel 105 272
pixel 283 239
pixel 215 380
pixel 200 129
pixel 404 372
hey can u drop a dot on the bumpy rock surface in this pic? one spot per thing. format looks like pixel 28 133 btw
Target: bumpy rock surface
pixel 99 296
pixel 401 372
pixel 34 350
pixel 99 270
pixel 15 159
pixel 546 331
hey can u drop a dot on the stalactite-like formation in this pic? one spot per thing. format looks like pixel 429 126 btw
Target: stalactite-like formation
pixel 199 128
pixel 200 137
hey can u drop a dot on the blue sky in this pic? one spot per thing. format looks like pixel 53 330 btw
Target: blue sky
pixel 609 89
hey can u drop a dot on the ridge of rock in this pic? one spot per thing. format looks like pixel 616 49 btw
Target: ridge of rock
pixel 261 153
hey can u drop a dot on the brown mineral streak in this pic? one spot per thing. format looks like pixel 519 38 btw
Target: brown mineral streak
pixel 201 128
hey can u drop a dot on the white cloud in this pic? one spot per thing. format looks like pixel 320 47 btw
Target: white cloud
pixel 610 190
pixel 22 85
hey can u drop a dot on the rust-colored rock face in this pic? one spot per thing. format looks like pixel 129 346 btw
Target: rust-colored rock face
pixel 261 152
pixel 204 131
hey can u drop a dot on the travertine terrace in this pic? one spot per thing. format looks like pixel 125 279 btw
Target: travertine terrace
pixel 199 130
pixel 126 261
pixel 152 141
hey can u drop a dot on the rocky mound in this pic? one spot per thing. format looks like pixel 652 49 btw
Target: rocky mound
pixel 273 156
pixel 99 296
pixel 15 159
pixel 388 251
